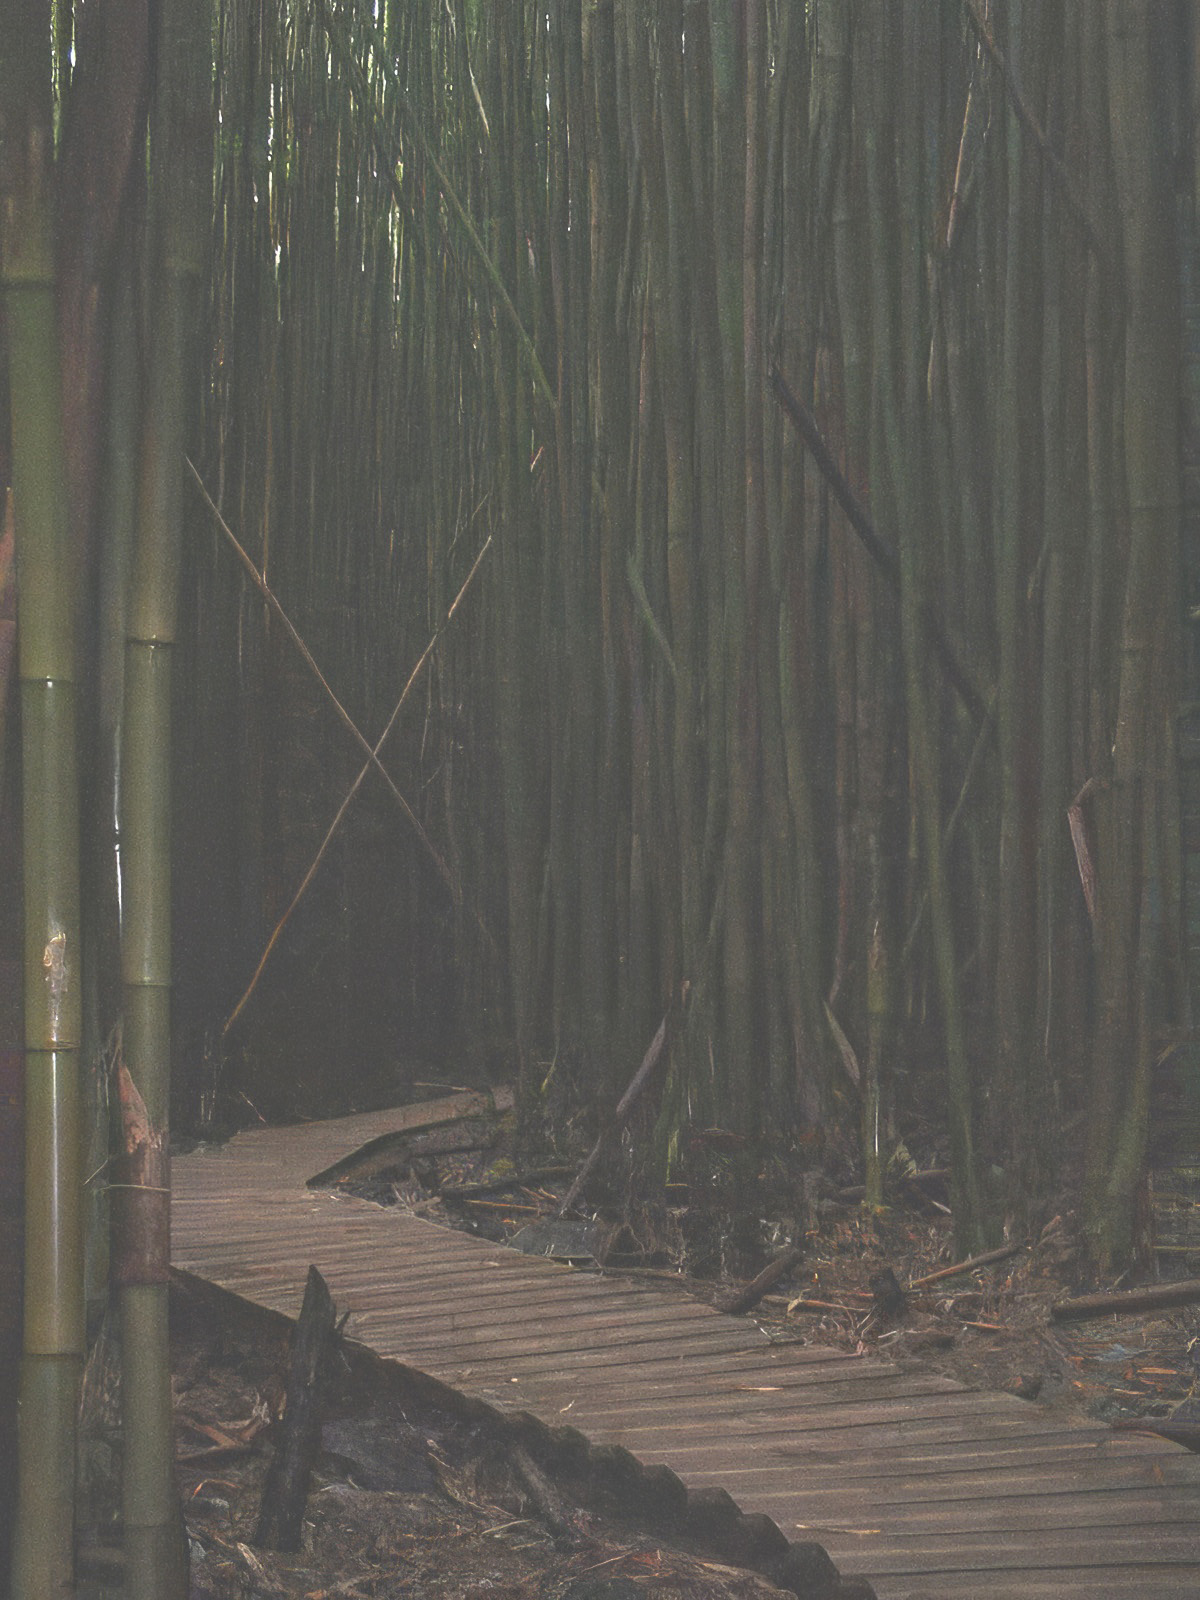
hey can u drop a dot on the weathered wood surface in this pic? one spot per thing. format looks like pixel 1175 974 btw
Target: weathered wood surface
pixel 923 1486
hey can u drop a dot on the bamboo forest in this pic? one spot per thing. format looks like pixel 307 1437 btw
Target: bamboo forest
pixel 532 520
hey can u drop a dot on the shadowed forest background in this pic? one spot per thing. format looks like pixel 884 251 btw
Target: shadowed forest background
pixel 795 405
pixel 535 275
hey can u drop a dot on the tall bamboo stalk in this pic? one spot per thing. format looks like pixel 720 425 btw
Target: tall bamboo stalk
pixel 1017 454
pixel 43 1557
pixel 156 1558
pixel 1131 904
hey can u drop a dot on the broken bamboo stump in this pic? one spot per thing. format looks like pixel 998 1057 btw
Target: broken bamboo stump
pixel 737 1302
pixel 285 1492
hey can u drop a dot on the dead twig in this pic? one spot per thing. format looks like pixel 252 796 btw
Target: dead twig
pixel 969 1265
pixel 1083 839
pixel 857 1191
pixel 805 1304
pixel 655 1275
pixel 493 1186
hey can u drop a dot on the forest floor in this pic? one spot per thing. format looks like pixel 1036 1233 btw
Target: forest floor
pixel 870 1280
pixel 417 1493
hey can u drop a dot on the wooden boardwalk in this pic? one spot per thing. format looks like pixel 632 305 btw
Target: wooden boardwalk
pixel 925 1487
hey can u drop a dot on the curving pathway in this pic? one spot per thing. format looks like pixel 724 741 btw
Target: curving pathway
pixel 925 1487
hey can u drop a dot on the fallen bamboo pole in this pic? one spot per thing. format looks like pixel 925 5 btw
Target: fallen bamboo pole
pixel 1184 1293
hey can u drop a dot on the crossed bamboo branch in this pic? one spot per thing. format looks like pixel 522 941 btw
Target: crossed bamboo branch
pixel 372 751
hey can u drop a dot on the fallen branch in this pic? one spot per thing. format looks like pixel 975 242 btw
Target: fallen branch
pixel 473 1128
pixel 636 1084
pixel 344 717
pixel 741 1300
pixel 1185 1293
pixel 969 1265
pixel 357 785
pixel 656 1275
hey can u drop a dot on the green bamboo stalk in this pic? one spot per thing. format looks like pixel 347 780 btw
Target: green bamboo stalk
pixel 1060 1020
pixel 731 547
pixel 43 1554
pixel 901 462
pixel 1017 450
pixel 155 1547
pixel 100 842
pixel 8 625
pixel 798 698
pixel 1101 310
pixel 865 648
pixel 1129 911
pixel 673 239
pixel 520 638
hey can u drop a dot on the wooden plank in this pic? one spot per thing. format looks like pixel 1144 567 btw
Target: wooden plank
pixel 939 1455
pixel 1140 1582
pixel 548 1311
pixel 1060 1491
pixel 911 1553
pixel 763 1414
pixel 1114 1583
pixel 624 1357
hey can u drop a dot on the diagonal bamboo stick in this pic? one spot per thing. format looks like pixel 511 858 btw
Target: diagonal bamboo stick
pixel 882 552
pixel 354 788
pixel 1032 127
pixel 636 1084
pixel 347 721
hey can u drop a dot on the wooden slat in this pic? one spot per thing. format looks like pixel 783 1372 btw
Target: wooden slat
pixel 916 1482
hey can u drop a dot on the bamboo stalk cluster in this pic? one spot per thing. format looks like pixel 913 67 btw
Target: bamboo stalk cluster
pixel 99 265
pixel 527 270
